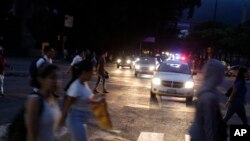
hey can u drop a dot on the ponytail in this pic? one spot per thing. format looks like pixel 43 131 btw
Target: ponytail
pixel 75 74
pixel 77 70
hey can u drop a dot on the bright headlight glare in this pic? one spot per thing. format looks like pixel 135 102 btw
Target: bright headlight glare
pixel 119 60
pixel 137 67
pixel 156 81
pixel 128 61
pixel 189 84
pixel 151 68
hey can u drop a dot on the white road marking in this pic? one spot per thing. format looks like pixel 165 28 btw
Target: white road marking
pixel 141 106
pixel 163 107
pixel 187 137
pixel 122 84
pixel 150 136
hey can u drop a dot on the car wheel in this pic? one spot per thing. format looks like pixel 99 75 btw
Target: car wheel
pixel 189 99
pixel 152 95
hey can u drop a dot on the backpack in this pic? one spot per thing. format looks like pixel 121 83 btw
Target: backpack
pixel 33 68
pixel 17 131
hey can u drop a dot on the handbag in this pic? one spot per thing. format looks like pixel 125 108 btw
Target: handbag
pixel 106 75
pixel 100 110
pixel 229 92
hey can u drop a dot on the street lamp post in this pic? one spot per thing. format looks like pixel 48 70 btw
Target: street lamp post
pixel 215 10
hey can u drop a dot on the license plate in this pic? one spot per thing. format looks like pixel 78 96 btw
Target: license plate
pixel 172 91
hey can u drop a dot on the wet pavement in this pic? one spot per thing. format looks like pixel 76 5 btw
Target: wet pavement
pixel 132 111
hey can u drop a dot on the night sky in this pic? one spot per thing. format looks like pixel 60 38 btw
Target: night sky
pixel 229 11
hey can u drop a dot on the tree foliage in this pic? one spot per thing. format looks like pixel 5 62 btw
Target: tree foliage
pixel 222 37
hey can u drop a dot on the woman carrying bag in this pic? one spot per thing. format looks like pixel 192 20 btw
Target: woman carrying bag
pixel 77 107
pixel 236 100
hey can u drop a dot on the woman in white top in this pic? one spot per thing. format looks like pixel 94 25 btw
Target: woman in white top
pixel 42 118
pixel 77 103
pixel 78 58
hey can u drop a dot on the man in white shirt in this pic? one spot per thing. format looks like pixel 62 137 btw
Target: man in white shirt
pixel 78 58
pixel 49 54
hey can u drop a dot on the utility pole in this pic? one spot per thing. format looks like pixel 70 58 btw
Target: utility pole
pixel 213 45
pixel 244 13
pixel 215 10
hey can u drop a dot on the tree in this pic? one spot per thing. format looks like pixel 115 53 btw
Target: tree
pixel 227 41
pixel 125 22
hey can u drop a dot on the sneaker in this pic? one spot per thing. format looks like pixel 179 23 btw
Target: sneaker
pixel 105 91
pixel 95 91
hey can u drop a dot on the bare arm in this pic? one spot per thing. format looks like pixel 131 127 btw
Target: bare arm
pixel 69 69
pixel 32 109
pixel 66 106
pixel 95 99
pixel 98 67
pixel 233 93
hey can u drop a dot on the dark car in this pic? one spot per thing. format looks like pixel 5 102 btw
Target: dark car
pixel 146 65
pixel 233 70
pixel 125 62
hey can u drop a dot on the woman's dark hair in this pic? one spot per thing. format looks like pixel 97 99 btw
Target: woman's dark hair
pixel 42 72
pixel 79 51
pixel 47 49
pixel 77 69
pixel 241 74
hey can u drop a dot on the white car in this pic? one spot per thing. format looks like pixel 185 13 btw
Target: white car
pixel 173 79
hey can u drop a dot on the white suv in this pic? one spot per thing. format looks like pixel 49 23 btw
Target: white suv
pixel 173 79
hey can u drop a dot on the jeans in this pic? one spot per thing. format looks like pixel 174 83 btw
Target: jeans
pixel 1 84
pixel 101 76
pixel 76 123
pixel 239 110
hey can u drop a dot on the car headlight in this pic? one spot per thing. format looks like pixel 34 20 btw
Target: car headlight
pixel 137 67
pixel 151 68
pixel 189 84
pixel 156 81
pixel 119 61
pixel 128 61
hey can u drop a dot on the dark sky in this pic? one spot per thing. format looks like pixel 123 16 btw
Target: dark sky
pixel 229 11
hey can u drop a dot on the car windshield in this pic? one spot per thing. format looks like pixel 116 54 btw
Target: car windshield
pixel 174 68
pixel 126 58
pixel 146 61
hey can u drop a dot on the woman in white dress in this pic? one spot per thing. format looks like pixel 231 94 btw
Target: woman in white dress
pixel 42 110
pixel 77 103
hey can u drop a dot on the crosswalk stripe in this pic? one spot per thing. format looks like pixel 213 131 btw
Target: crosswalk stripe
pixel 150 136
pixel 163 107
pixel 187 137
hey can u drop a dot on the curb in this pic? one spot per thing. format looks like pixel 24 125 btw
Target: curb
pixel 62 135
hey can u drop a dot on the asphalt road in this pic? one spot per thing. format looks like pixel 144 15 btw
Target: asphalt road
pixel 132 111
